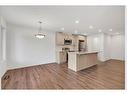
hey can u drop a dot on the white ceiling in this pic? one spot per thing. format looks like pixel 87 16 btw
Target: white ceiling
pixel 56 17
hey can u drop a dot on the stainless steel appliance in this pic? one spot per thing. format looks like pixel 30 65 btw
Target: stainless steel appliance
pixel 67 41
pixel 81 45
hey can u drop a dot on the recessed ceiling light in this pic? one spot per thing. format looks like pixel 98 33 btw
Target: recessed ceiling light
pixel 99 30
pixel 62 28
pixel 110 29
pixel 77 21
pixel 90 27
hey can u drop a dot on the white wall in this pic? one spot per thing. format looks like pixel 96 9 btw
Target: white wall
pixel 23 49
pixel 108 47
pixel 2 52
pixel 2 48
pixel 93 42
pixel 118 47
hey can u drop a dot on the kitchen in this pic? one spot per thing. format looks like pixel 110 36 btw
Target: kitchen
pixel 73 47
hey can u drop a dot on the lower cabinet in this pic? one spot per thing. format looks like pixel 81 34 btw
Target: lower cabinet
pixel 61 57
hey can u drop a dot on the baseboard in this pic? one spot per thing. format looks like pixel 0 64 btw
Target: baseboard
pixel 112 59
pixel 118 59
pixel 104 60
pixel 20 67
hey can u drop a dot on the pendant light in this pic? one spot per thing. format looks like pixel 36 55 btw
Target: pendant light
pixel 40 35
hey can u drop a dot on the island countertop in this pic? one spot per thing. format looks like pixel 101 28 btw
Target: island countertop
pixel 87 52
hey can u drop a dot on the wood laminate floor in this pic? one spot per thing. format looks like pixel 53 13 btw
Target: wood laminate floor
pixel 107 75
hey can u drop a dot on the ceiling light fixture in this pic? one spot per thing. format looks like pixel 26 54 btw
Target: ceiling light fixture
pixel 90 27
pixel 77 21
pixel 40 35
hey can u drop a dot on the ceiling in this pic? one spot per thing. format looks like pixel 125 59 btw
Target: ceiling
pixel 56 17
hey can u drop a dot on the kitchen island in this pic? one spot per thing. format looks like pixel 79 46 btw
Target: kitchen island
pixel 81 60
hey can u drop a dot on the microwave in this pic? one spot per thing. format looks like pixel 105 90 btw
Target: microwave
pixel 67 42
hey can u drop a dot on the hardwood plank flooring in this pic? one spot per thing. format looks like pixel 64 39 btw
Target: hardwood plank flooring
pixel 106 75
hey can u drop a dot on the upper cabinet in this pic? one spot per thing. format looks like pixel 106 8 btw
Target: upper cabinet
pixel 69 39
pixel 59 38
pixel 81 37
pixel 64 38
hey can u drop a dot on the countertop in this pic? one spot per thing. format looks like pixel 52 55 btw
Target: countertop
pixel 80 53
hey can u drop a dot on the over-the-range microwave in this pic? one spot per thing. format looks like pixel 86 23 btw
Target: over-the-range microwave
pixel 67 42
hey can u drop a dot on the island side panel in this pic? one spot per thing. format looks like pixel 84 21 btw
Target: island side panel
pixel 72 61
pixel 86 60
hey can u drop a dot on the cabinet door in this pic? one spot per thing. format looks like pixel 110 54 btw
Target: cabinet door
pixel 75 42
pixel 59 39
pixel 63 57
